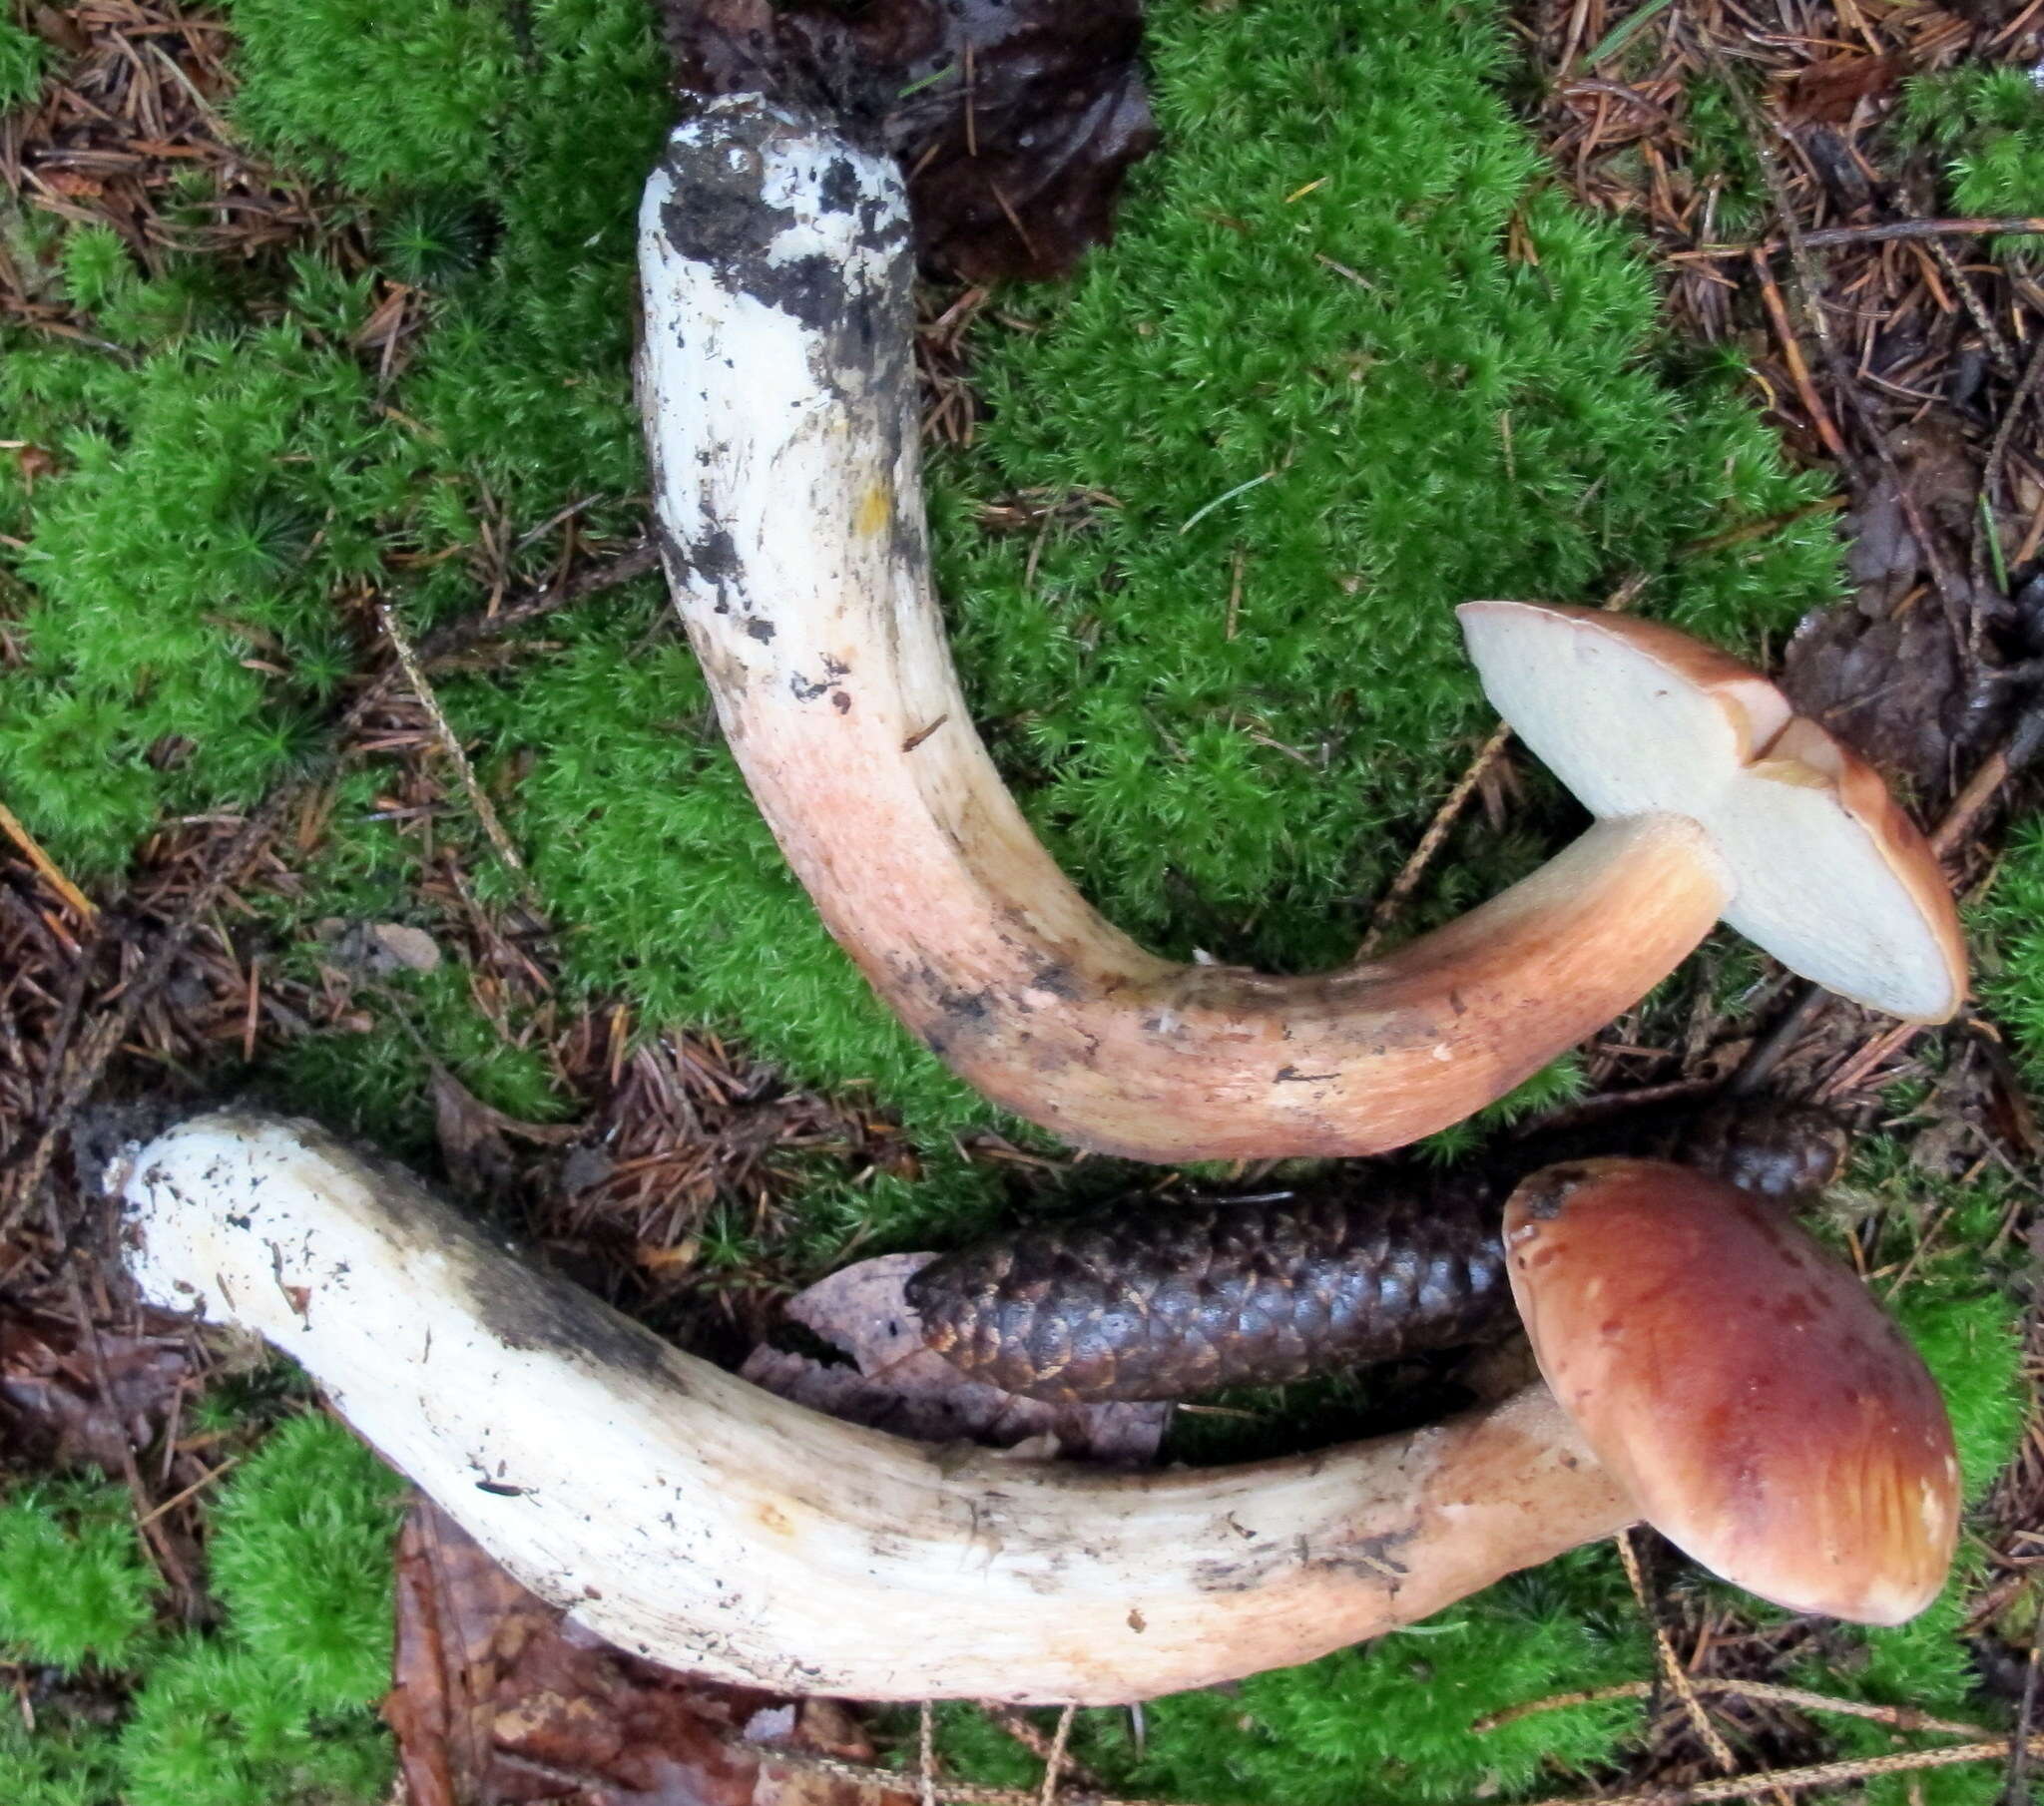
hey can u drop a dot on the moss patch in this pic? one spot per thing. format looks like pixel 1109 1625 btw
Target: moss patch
pixel 276 1705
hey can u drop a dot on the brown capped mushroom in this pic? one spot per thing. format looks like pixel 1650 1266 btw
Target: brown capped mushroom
pixel 778 395
pixel 699 1522
pixel 1741 1381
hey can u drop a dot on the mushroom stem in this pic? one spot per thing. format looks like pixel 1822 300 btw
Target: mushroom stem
pixel 694 1520
pixel 779 401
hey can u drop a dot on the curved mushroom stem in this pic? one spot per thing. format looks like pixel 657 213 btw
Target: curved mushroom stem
pixel 705 1524
pixel 779 397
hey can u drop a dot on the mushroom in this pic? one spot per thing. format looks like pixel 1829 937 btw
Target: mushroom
pixel 698 1520
pixel 778 390
pixel 1760 1406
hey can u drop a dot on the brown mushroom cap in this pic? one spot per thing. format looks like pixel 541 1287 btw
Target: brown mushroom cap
pixel 1742 1382
pixel 1636 718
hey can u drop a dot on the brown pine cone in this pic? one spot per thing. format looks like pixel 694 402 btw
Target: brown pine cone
pixel 1183 1299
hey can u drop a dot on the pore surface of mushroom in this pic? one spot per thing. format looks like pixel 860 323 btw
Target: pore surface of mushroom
pixel 1764 1413
pixel 695 1520
pixel 777 384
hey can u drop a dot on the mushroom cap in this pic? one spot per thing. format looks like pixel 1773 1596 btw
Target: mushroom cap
pixel 1742 1383
pixel 1828 875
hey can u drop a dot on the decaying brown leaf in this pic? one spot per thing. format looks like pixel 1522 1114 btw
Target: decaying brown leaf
pixel 496 1699
pixel 54 1409
pixel 1884 672
pixel 475 1139
pixel 901 1385
pixel 1015 120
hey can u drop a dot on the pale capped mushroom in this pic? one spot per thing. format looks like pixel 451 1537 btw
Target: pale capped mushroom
pixel 778 388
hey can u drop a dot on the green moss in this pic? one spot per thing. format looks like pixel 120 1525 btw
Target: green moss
pixel 2008 923
pixel 275 1707
pixel 59 1763
pixel 1988 121
pixel 24 58
pixel 218 1725
pixel 301 1558
pixel 376 95
pixel 74 1587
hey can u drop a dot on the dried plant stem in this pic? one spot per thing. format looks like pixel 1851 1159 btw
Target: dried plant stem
pixel 1816 1775
pixel 450 741
pixel 46 868
pixel 1901 1717
pixel 1732 1787
pixel 1437 831
pixel 1670 1664
pixel 1054 1767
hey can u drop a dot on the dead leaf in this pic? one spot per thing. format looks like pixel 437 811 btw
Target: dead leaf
pixel 1830 91
pixel 52 1404
pixel 1891 688
pixel 901 1385
pixel 1016 119
pixel 498 1698
pixel 475 1139
pixel 1884 672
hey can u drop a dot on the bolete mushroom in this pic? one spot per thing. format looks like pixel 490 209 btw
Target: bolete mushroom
pixel 694 1520
pixel 698 1520
pixel 1761 1408
pixel 777 388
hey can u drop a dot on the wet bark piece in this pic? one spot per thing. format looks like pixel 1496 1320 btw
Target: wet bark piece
pixel 1183 1299
pixel 1015 120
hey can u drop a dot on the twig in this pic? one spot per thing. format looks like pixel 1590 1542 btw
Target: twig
pixel 450 741
pixel 46 868
pixel 1799 370
pixel 1767 1051
pixel 1976 311
pixel 1037 1744
pixel 1437 831
pixel 1055 1766
pixel 1670 1664
pixel 2014 1792
pixel 459 636
pixel 1831 237
pixel 1899 1717
pixel 198 1486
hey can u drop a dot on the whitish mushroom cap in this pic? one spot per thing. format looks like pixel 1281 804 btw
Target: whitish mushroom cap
pixel 1828 875
pixel 1741 1381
